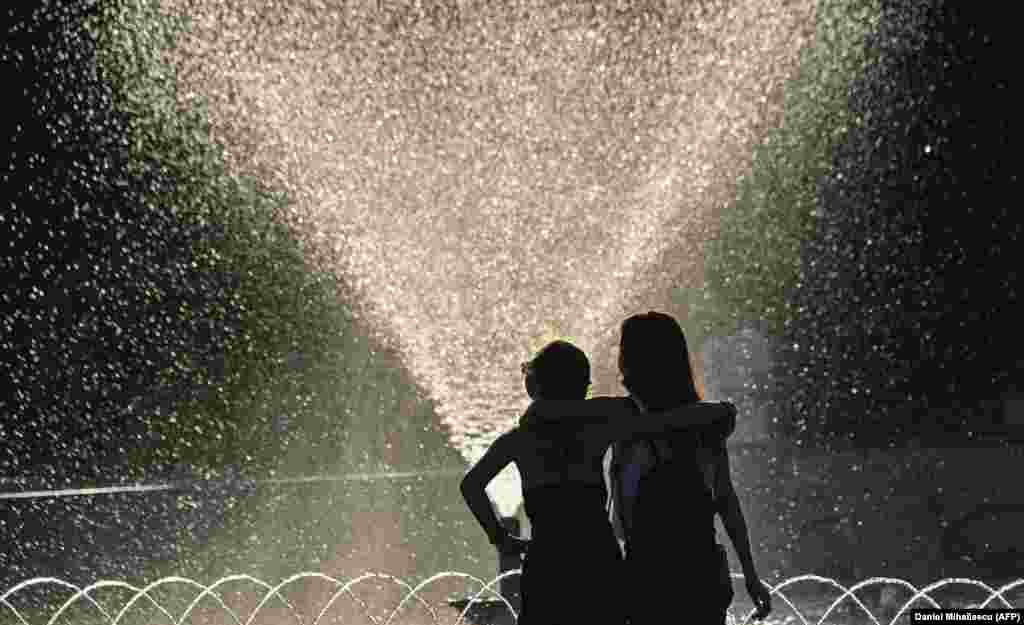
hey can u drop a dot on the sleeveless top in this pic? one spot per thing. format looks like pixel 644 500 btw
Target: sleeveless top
pixel 572 570
pixel 676 473
pixel 565 502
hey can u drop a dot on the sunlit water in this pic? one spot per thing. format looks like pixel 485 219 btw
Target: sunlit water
pixel 245 599
pixel 494 176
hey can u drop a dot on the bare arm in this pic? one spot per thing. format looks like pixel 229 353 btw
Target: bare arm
pixel 593 410
pixel 473 485
pixel 690 416
pixel 736 526
pixel 732 515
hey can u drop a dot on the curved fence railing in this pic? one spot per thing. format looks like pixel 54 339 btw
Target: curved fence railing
pixel 804 599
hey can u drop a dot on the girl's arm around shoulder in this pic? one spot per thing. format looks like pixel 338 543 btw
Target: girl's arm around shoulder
pixel 615 412
pixel 720 416
pixel 594 409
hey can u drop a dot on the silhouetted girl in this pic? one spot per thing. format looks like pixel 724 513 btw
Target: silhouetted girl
pixel 666 489
pixel 571 573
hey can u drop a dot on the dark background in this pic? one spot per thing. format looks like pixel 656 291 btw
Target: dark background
pixel 908 301
pixel 911 287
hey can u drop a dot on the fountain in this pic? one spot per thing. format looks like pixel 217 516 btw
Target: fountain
pixel 485 179
pixel 847 607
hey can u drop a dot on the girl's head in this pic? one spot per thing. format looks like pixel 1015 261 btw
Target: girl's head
pixel 559 371
pixel 654 361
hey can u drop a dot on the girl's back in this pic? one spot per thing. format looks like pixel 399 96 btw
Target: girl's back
pixel 674 506
pixel 672 530
pixel 559 452
pixel 573 556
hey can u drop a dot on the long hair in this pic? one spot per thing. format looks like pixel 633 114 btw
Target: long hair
pixel 654 361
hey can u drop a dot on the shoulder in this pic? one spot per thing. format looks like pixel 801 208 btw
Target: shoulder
pixel 611 402
pixel 719 431
pixel 508 443
pixel 511 438
pixel 713 439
